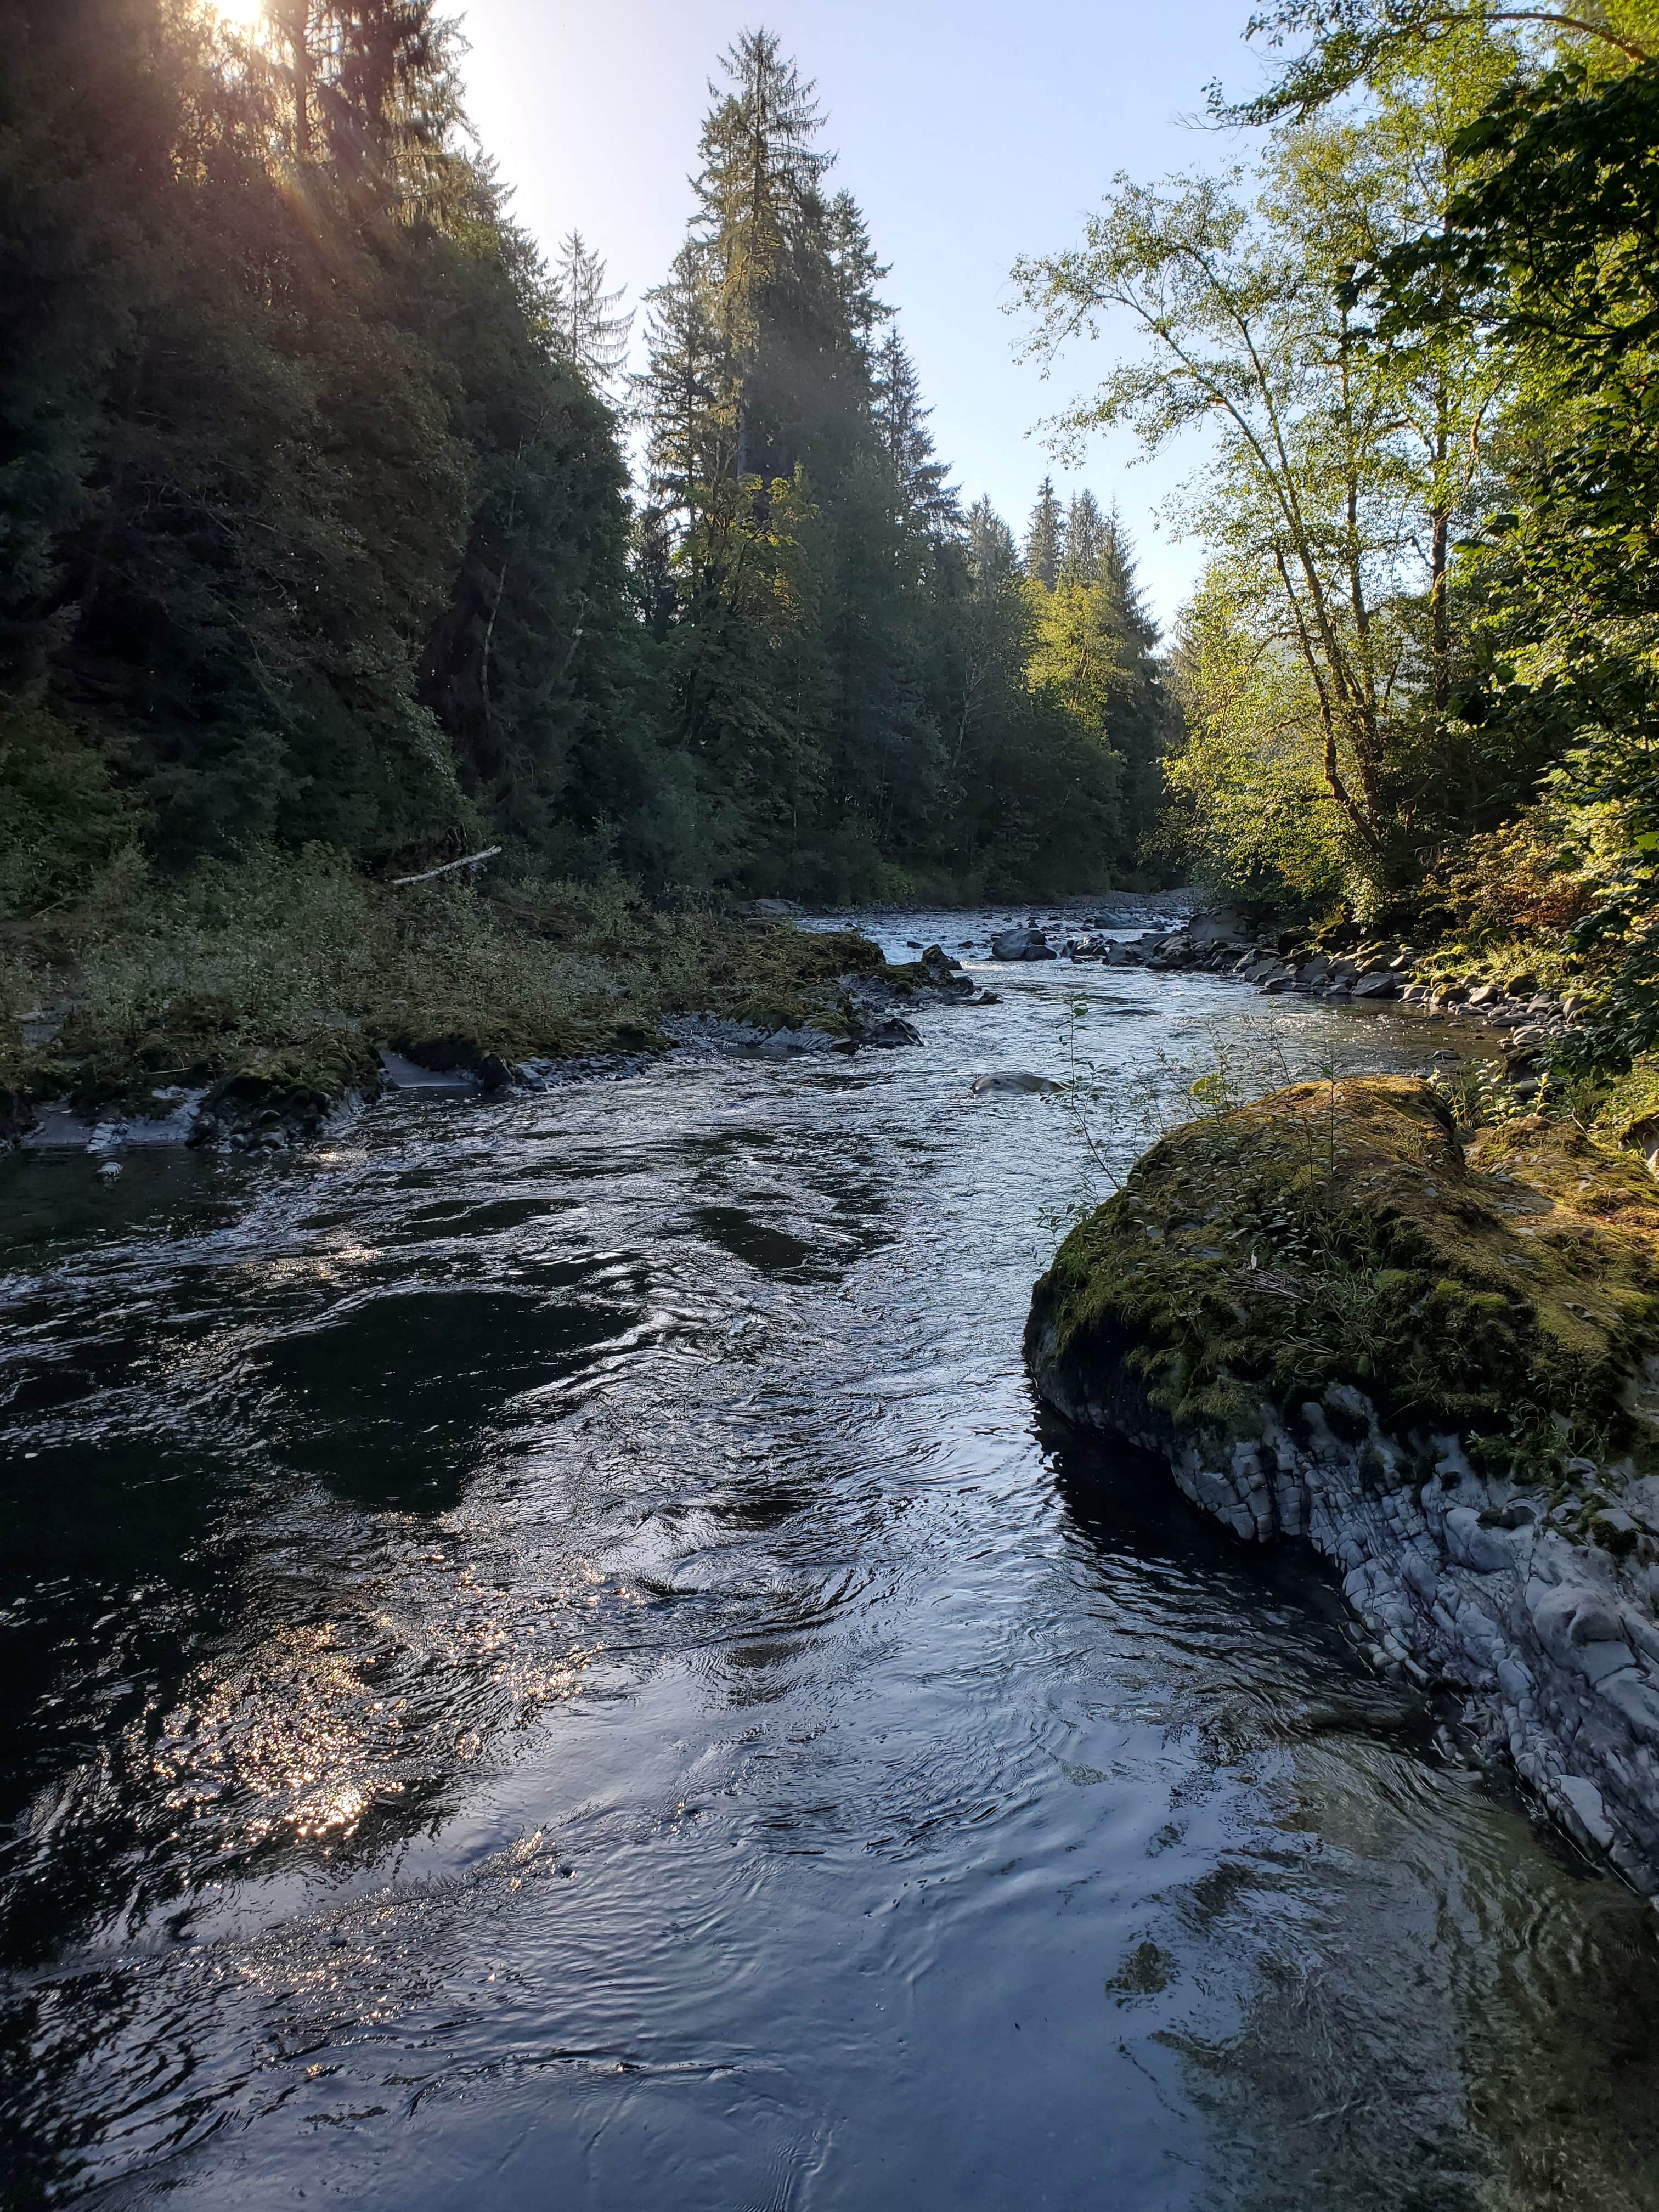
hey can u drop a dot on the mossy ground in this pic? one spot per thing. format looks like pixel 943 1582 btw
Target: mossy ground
pixel 283 960
pixel 1341 1233
pixel 1629 1111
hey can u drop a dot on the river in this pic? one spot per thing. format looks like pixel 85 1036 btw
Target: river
pixel 549 1660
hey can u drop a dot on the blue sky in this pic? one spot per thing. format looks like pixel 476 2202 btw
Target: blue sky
pixel 970 132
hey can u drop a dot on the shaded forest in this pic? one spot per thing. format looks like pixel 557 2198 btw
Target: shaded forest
pixel 319 526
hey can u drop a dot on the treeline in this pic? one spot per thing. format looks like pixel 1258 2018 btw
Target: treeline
pixel 317 527
pixel 1421 673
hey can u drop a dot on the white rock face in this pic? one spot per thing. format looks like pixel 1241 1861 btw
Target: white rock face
pixel 1459 1581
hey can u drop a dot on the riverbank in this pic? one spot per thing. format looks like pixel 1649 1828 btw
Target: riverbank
pixel 250 1004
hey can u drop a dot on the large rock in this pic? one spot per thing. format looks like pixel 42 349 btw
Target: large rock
pixel 1021 945
pixel 1442 1370
pixel 886 1035
pixel 1221 926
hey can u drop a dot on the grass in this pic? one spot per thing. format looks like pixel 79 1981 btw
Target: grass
pixel 266 964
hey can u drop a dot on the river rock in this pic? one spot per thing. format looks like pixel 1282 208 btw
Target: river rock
pixel 941 971
pixel 1028 944
pixel 1013 1084
pixel 1336 1326
pixel 887 1035
pixel 1220 928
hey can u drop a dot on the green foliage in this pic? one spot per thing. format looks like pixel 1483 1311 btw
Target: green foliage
pixel 304 509
pixel 1422 670
pixel 1349 43
pixel 1246 784
pixel 61 813
pixel 278 964
pixel 1341 462
pixel 1553 246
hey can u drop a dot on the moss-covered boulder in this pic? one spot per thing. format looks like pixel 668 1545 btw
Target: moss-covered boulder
pixel 1434 1361
pixel 288 1094
pixel 1341 1233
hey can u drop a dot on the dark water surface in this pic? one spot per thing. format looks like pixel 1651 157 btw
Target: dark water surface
pixel 549 1661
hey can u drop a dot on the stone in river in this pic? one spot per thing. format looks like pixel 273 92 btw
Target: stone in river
pixel 1028 944
pixel 889 1034
pixel 1014 1084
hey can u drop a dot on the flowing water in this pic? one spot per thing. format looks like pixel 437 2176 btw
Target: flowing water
pixel 551 1660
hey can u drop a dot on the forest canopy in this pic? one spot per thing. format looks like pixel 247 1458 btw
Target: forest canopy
pixel 318 528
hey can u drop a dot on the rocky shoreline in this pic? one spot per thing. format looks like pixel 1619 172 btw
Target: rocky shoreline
pixel 1489 1492
pixel 1374 970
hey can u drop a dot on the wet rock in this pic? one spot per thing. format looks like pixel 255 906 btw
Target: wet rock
pixel 587 1067
pixel 1174 950
pixel 457 1053
pixel 56 1127
pixel 1387 1391
pixel 1014 1084
pixel 1383 986
pixel 711 1036
pixel 885 1035
pixel 941 972
pixel 1028 944
pixel 409 1076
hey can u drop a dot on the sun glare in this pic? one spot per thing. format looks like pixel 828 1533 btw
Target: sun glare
pixel 240 15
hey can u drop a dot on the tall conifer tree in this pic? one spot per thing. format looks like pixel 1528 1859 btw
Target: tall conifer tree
pixel 590 333
pixel 1045 538
pixel 1087 533
pixel 901 423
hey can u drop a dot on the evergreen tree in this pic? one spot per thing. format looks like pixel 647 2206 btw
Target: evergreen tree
pixel 1045 538
pixel 682 391
pixel 591 334
pixel 901 423
pixel 1087 536
pixel 1142 718
pixel 757 192
pixel 857 272
pixel 315 526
